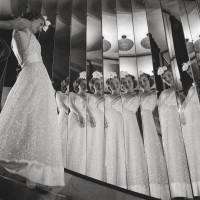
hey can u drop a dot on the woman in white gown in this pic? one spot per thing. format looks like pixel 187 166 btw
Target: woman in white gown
pixel 137 173
pixel 157 169
pixel 62 99
pixel 173 144
pixel 190 118
pixel 30 145
pixel 95 129
pixel 115 159
pixel 76 143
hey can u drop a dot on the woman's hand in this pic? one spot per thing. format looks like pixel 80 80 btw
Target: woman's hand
pixel 81 120
pixel 182 118
pixel 92 121
pixel 105 123
pixel 182 115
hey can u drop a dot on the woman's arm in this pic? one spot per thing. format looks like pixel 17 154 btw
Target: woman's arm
pixel 18 23
pixel 90 116
pixel 74 109
pixel 60 103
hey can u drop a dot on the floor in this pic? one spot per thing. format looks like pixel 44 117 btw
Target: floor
pixel 77 187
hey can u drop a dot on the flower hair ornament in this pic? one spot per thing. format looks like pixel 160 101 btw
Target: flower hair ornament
pixel 161 70
pixel 140 73
pixel 82 75
pixel 110 75
pixel 185 66
pixel 97 75
pixel 123 74
pixel 47 24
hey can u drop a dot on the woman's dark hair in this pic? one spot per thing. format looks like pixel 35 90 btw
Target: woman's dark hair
pixel 150 78
pixel 133 79
pixel 33 15
pixel 76 84
pixel 64 84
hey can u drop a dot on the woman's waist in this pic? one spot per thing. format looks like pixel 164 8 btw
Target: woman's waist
pixel 33 58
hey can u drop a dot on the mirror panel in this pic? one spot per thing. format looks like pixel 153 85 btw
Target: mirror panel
pixel 95 101
pixel 155 160
pixel 115 157
pixel 49 9
pixel 169 101
pixel 61 69
pixel 190 20
pixel 77 134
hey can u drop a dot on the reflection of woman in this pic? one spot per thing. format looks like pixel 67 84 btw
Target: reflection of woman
pixel 29 141
pixel 157 169
pixel 95 128
pixel 76 144
pixel 190 115
pixel 62 99
pixel 137 174
pixel 173 144
pixel 115 149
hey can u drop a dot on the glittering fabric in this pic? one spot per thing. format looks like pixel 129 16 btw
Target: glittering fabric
pixel 157 169
pixel 115 160
pixel 191 134
pixel 173 144
pixel 95 140
pixel 137 175
pixel 76 143
pixel 63 124
pixel 29 124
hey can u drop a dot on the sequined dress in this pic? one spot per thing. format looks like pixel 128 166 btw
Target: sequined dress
pixel 191 134
pixel 30 145
pixel 96 140
pixel 63 124
pixel 173 145
pixel 76 143
pixel 137 174
pixel 157 169
pixel 115 159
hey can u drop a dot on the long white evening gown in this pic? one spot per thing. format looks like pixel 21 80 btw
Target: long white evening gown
pixel 63 123
pixel 96 140
pixel 173 145
pixel 30 144
pixel 157 169
pixel 137 174
pixel 191 135
pixel 76 143
pixel 115 159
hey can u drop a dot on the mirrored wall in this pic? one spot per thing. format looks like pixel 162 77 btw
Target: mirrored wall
pixel 126 75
